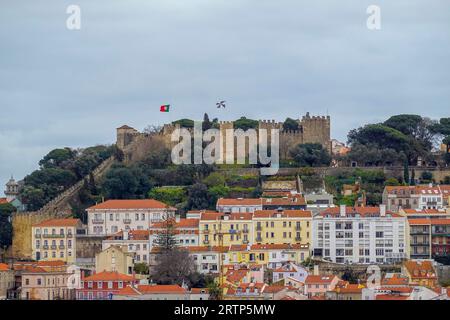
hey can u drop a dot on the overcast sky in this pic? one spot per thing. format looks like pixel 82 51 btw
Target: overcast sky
pixel 267 59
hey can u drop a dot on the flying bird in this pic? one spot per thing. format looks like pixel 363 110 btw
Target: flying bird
pixel 220 104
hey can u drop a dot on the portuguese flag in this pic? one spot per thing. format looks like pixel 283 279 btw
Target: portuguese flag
pixel 165 108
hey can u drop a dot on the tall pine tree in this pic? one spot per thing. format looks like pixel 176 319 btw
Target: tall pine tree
pixel 165 240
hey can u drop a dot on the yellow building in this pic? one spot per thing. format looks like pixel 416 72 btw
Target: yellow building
pixel 282 227
pixel 271 255
pixel 55 240
pixel 228 228
pixel 115 259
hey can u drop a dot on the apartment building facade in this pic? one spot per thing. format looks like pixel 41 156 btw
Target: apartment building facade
pixel 282 226
pixel 416 197
pixel 55 240
pixel 112 216
pixel 360 235
pixel 429 238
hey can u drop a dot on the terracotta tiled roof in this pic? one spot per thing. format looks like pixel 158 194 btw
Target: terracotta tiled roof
pixel 427 221
pixel 273 289
pixel 239 202
pixel 55 263
pixel 395 280
pixel 109 276
pixel 33 269
pixel 320 279
pixel 235 276
pixel 3 200
pixel 284 214
pixel 420 269
pixel 350 288
pixel 423 211
pixel 58 223
pixel 4 267
pixel 131 204
pixel 199 290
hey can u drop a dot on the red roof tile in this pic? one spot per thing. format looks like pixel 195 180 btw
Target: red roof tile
pixel 4 267
pixel 239 202
pixel 58 223
pixel 131 204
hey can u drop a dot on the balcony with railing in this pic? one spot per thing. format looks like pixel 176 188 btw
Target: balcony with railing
pixel 37 235
pixel 98 221
pixel 53 235
pixel 53 247
pixel 61 246
pixel 205 241
pixel 45 247
pixel 127 221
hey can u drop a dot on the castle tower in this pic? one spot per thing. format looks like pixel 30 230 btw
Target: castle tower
pixel 12 189
pixel 316 129
pixel 125 136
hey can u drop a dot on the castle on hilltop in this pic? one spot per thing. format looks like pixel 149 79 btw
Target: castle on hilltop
pixel 312 129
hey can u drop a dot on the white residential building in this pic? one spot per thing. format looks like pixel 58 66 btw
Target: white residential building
pixel 360 235
pixel 186 231
pixel 135 241
pixel 112 216
pixel 239 205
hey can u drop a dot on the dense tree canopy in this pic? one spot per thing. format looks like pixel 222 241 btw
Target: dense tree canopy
pixel 290 125
pixel 245 124
pixel 310 155
pixel 60 169
pixel 184 123
pixel 6 210
pixel 381 137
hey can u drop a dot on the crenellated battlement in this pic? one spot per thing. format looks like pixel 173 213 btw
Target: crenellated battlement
pixel 312 129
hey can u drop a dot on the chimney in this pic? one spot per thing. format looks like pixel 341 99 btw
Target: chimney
pixel 342 210
pixel 316 270
pixel 382 210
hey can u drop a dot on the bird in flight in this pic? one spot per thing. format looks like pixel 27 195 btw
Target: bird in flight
pixel 220 104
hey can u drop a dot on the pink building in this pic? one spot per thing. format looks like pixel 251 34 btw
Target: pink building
pixel 318 285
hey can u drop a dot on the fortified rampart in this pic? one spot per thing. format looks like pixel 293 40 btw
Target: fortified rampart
pixel 312 129
pixel 59 207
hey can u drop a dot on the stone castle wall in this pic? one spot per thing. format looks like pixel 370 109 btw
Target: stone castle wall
pixel 59 207
pixel 312 129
